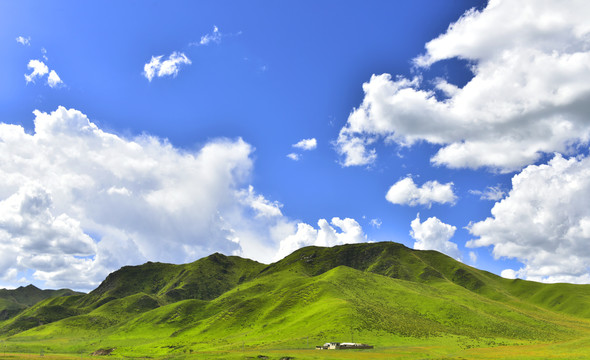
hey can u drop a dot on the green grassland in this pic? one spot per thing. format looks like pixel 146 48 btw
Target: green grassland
pixel 407 303
pixel 14 301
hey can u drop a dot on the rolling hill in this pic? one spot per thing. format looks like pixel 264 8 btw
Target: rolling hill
pixel 382 293
pixel 15 301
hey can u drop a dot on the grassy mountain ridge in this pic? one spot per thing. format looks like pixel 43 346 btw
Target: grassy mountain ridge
pixel 203 279
pixel 382 292
pixel 15 301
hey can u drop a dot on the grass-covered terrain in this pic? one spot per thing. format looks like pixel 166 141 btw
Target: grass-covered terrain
pixel 407 303
pixel 12 302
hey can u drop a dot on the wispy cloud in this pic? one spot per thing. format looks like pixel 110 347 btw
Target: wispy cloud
pixel 212 37
pixel 169 67
pixel 24 40
pixel 493 193
pixel 376 223
pixel 294 156
pixel 215 37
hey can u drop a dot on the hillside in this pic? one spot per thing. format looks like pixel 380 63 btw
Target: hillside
pixel 14 301
pixel 384 293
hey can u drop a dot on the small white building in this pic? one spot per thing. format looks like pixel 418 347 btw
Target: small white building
pixel 343 346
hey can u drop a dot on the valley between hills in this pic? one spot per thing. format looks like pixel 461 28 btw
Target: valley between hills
pixel 406 303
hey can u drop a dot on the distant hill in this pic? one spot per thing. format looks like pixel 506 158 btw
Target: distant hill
pixel 378 291
pixel 14 301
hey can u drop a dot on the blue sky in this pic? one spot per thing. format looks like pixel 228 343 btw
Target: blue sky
pixel 108 163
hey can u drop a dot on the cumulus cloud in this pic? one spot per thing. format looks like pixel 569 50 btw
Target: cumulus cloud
pixel 39 70
pixel 306 144
pixel 406 192
pixel 77 202
pixel 24 40
pixel 169 67
pixel 493 193
pixel 53 79
pixel 433 234
pixel 326 235
pixel 544 222
pixel 529 93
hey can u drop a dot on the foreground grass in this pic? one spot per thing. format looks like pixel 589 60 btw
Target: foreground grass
pixel 439 349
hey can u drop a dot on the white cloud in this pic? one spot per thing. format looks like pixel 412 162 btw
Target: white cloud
pixel 39 70
pixel 77 202
pixel 262 206
pixel 493 193
pixel 473 257
pixel 169 67
pixel 544 222
pixel 53 79
pixel 306 144
pixel 405 192
pixel 354 149
pixel 508 274
pixel 376 223
pixel 24 40
pixel 529 94
pixel 433 234
pixel 294 156
pixel 326 235
pixel 206 39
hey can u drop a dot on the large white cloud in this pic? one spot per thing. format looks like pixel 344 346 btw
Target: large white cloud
pixel 529 94
pixel 433 234
pixel 169 67
pixel 326 235
pixel 544 222
pixel 405 192
pixel 77 202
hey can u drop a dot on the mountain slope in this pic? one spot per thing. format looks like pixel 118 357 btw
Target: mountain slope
pixel 203 279
pixel 14 301
pixel 380 292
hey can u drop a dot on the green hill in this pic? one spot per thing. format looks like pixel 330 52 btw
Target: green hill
pixel 381 293
pixel 15 301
